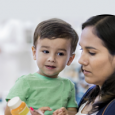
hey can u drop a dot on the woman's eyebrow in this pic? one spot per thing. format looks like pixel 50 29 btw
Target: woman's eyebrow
pixel 89 47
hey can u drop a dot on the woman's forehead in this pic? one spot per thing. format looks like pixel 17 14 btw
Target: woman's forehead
pixel 89 39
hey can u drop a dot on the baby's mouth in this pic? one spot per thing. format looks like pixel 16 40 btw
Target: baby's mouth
pixel 50 67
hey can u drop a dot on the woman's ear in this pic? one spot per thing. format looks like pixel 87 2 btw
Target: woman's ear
pixel 34 52
pixel 114 62
pixel 71 59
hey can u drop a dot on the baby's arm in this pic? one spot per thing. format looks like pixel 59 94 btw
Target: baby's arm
pixel 40 111
pixel 7 110
pixel 64 111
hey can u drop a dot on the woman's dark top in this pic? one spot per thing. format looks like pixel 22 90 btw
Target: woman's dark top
pixel 108 109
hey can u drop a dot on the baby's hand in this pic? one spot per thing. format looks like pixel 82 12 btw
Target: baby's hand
pixel 34 112
pixel 61 111
pixel 40 111
pixel 43 109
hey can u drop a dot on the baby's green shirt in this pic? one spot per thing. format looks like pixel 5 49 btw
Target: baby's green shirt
pixel 40 91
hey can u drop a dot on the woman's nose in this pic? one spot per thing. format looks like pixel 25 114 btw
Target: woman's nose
pixel 83 60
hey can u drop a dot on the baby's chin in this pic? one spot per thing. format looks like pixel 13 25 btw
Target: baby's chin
pixel 51 75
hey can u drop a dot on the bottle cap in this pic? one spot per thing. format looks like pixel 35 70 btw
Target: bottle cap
pixel 14 102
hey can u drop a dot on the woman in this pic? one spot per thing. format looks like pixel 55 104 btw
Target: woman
pixel 98 65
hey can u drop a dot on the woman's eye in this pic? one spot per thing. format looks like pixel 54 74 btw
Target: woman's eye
pixel 60 54
pixel 92 53
pixel 45 51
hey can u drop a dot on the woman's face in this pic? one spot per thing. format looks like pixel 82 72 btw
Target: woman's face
pixel 95 58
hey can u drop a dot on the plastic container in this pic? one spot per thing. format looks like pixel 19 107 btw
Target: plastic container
pixel 18 107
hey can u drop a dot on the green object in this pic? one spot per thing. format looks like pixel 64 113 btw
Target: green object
pixel 40 91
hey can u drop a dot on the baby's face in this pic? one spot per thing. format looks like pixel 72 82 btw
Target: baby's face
pixel 52 55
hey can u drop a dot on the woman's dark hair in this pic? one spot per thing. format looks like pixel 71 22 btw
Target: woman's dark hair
pixel 103 27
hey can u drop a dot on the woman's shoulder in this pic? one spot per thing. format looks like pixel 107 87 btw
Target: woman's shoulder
pixel 109 109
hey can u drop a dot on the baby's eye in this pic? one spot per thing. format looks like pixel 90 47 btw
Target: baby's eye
pixel 45 51
pixel 60 54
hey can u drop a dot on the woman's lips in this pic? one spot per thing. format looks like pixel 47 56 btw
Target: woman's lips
pixel 86 72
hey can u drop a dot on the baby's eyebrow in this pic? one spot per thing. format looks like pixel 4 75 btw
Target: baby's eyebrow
pixel 57 49
pixel 63 50
pixel 45 47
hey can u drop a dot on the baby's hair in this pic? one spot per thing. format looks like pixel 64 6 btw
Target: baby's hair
pixel 53 29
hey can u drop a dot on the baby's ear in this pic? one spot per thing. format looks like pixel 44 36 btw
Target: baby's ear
pixel 71 59
pixel 34 52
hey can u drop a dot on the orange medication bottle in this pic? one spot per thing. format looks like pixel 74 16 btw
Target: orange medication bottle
pixel 18 107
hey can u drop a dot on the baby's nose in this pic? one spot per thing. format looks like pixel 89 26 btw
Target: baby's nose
pixel 51 58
